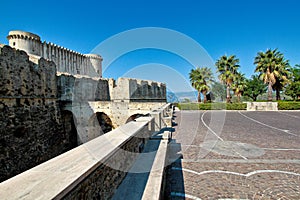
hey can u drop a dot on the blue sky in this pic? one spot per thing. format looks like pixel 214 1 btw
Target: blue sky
pixel 221 27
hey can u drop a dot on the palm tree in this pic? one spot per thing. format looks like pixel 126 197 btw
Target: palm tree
pixel 200 78
pixel 272 68
pixel 283 79
pixel 239 85
pixel 207 77
pixel 195 77
pixel 227 67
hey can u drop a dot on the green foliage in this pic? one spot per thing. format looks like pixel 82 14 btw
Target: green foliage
pixel 227 67
pixel 219 91
pixel 213 106
pixel 254 87
pixel 273 69
pixel 288 105
pixel 186 100
pixel 293 89
pixel 282 105
pixel 200 79
pixel 239 85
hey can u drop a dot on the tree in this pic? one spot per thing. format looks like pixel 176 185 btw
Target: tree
pixel 207 78
pixel 195 78
pixel 283 79
pixel 239 85
pixel 219 91
pixel 227 67
pixel 255 87
pixel 273 68
pixel 293 89
pixel 200 78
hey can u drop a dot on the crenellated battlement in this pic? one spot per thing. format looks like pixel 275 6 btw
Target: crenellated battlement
pixel 66 60
pixel 52 100
pixel 129 89
pixel 23 35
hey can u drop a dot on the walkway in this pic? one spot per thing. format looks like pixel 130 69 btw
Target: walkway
pixel 235 155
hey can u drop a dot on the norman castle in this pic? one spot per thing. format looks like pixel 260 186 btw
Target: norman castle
pixel 66 60
pixel 53 99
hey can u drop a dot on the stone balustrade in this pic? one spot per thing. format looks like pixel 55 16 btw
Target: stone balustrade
pixel 94 169
pixel 154 189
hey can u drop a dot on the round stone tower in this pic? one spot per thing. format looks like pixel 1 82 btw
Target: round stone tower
pixel 96 62
pixel 29 42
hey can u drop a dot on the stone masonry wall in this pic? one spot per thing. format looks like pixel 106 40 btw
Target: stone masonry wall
pixel 103 182
pixel 44 113
pixel 66 60
pixel 128 89
pixel 82 89
pixel 31 131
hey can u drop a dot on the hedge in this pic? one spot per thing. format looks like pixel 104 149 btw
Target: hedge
pixel 288 105
pixel 282 105
pixel 212 106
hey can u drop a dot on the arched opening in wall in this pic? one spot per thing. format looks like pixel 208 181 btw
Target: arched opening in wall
pixel 103 120
pixel 70 129
pixel 135 116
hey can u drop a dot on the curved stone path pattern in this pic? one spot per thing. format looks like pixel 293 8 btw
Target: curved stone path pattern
pixel 234 155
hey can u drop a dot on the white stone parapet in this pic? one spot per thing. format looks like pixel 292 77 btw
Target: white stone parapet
pixel 66 172
pixel 66 60
pixel 262 106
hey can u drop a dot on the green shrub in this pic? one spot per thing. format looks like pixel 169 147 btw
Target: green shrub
pixel 236 106
pixel 288 105
pixel 212 106
pixel 282 105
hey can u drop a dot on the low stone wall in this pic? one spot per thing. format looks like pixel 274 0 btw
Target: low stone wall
pixel 104 180
pixel 90 171
pixel 119 112
pixel 94 169
pixel 163 117
pixel 154 189
pixel 262 106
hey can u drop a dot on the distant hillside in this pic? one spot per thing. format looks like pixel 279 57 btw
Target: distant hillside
pixel 181 96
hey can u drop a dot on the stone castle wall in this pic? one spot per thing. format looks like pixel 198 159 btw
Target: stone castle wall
pixel 104 180
pixel 66 60
pixel 128 89
pixel 31 128
pixel 82 89
pixel 48 107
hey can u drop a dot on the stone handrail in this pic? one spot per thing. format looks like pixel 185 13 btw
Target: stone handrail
pixel 155 185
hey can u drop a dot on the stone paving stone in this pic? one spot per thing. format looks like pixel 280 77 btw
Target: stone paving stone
pixel 249 178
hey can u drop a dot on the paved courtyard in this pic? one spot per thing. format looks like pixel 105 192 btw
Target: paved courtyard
pixel 235 155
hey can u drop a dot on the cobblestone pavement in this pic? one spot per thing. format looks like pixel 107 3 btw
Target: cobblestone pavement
pixel 235 155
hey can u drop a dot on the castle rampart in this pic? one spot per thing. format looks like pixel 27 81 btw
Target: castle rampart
pixel 128 89
pixel 31 122
pixel 66 60
pixel 47 108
